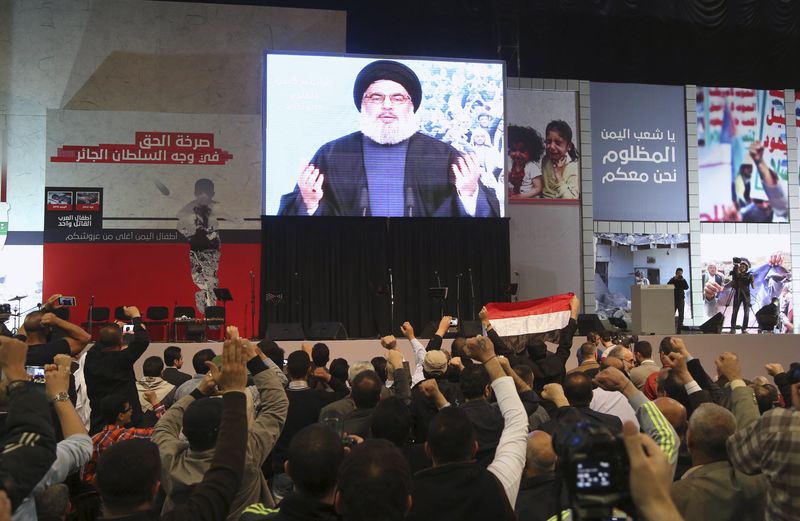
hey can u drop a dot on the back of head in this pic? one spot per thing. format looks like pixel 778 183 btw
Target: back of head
pixel 365 390
pixel 200 358
pixel 674 412
pixel 127 475
pixel 451 436
pixel 358 368
pixel 665 346
pixel 667 384
pixel 314 456
pixel 592 336
pixel 379 364
pixel 391 420
pixel 339 369
pixel 298 363
pixel 52 502
pixel 171 355
pixel 766 396
pixel 589 351
pixel 273 351
pixel 473 381
pixel 709 429
pixel 457 347
pixel 536 348
pixel 201 423
pixel 111 406
pixel 605 336
pixel 374 483
pixel 578 389
pixel 540 457
pixel 152 366
pixel 109 336
pixel 320 354
pixel 643 348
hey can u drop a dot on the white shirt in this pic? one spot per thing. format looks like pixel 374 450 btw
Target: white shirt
pixel 509 458
pixel 614 403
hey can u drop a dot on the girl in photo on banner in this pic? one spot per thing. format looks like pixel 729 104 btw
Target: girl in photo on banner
pixel 560 167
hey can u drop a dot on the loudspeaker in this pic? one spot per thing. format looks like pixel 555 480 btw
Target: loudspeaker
pixel 589 323
pixel 327 331
pixel 713 325
pixel 285 331
pixel 470 328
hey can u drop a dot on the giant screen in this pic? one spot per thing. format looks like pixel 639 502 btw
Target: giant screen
pixel 369 136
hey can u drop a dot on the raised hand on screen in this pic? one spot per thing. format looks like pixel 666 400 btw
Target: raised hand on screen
pixel 467 174
pixel 310 185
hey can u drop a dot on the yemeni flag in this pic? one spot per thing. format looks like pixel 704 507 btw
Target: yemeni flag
pixel 530 316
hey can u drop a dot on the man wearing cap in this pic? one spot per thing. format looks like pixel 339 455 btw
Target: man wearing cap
pixel 388 168
pixel 422 409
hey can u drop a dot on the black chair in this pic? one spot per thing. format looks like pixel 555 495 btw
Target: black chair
pixel 182 318
pixel 157 320
pixel 99 318
pixel 215 322
pixel 119 314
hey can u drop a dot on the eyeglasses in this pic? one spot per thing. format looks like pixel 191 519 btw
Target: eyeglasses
pixel 378 99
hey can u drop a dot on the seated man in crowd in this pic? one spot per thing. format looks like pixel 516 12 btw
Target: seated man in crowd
pixel 645 366
pixel 199 417
pixel 173 359
pixel 151 386
pixel 128 473
pixel 575 397
pixel 199 364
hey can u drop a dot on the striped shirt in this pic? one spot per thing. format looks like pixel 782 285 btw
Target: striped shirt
pixel 771 446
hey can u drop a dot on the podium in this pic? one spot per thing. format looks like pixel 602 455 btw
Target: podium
pixel 653 309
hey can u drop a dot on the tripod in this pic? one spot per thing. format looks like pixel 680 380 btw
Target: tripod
pixel 740 293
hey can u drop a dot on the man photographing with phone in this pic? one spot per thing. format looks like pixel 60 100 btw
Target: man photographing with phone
pixel 47 335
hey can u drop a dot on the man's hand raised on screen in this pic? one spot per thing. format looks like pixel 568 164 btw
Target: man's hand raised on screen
pixel 310 185
pixel 467 174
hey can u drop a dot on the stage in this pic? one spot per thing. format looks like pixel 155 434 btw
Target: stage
pixel 753 350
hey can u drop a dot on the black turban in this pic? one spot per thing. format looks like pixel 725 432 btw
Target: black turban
pixel 387 70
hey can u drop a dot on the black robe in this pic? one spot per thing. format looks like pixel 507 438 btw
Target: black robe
pixel 429 189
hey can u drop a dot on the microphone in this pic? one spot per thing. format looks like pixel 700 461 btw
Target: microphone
pixel 410 201
pixel 460 275
pixel 364 201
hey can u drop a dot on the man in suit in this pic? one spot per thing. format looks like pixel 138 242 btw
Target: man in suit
pixel 388 168
pixel 712 489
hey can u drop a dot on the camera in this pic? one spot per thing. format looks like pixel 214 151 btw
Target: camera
pixel 66 301
pixel 737 260
pixel 593 464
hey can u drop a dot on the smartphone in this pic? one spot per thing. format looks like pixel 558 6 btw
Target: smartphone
pixel 67 301
pixel 127 329
pixel 36 372
pixel 453 321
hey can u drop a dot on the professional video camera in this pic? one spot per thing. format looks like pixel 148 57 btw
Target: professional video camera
pixel 593 464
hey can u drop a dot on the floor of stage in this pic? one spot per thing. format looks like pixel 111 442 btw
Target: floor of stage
pixel 753 350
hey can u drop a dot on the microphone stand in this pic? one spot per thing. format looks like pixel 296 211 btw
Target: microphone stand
pixel 91 313
pixel 439 285
pixel 391 302
pixel 253 335
pixel 458 297
pixel 471 296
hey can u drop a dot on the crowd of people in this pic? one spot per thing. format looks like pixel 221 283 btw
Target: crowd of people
pixel 479 431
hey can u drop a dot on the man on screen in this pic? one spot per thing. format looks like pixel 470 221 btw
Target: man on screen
pixel 389 168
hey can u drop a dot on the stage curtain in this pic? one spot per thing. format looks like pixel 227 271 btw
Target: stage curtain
pixel 337 269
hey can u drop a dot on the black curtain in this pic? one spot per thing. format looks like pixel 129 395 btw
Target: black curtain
pixel 336 269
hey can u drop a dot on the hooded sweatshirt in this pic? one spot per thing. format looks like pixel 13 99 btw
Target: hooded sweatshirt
pixel 152 383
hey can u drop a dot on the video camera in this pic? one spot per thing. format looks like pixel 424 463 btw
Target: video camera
pixel 593 464
pixel 794 373
pixel 5 312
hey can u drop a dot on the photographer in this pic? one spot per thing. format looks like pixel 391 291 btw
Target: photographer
pixel 47 335
pixel 741 282
pixel 681 286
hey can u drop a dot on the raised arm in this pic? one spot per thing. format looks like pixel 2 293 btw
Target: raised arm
pixel 419 352
pixel 568 331
pixel 138 344
pixel 499 346
pixel 743 399
pixel 509 459
pixel 76 337
pixel 211 498
pixel 274 405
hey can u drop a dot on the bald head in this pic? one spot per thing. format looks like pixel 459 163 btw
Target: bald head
pixel 540 458
pixel 675 413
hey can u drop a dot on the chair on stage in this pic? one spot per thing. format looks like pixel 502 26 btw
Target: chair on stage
pixel 119 314
pixel 98 316
pixel 185 326
pixel 157 323
pixel 215 323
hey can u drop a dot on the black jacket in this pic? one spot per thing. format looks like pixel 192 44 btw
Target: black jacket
pixel 293 507
pixel 423 410
pixel 111 372
pixel 537 499
pixel 428 189
pixel 459 491
pixel 566 416
pixel 174 376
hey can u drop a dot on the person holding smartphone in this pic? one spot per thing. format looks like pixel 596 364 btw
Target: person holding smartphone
pixel 48 335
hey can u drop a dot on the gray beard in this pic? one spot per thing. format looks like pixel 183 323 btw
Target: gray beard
pixel 390 134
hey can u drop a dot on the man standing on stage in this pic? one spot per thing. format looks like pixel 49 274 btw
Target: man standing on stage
pixel 741 282
pixel 681 286
pixel 389 168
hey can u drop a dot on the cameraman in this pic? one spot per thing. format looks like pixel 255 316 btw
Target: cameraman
pixel 741 282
